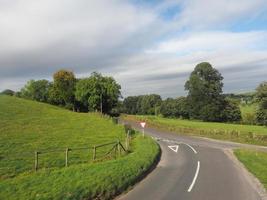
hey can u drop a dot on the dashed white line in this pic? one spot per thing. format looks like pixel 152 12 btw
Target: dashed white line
pixel 191 148
pixel 195 177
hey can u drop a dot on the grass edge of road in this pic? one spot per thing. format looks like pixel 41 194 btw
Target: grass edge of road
pixel 103 180
pixel 233 134
pixel 255 162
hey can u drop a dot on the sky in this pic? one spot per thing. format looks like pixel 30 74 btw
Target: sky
pixel 148 46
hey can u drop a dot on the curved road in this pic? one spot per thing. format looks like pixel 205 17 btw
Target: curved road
pixel 194 168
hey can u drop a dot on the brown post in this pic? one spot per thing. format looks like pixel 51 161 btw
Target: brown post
pixel 36 160
pixel 66 157
pixel 127 141
pixel 94 153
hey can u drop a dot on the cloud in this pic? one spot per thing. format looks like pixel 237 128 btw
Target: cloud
pixel 217 14
pixel 40 36
pixel 147 47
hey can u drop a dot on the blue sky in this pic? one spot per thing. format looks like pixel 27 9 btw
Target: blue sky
pixel 148 46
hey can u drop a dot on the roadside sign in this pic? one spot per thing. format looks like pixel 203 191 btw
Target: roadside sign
pixel 143 124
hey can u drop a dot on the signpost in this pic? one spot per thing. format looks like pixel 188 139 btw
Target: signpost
pixel 143 124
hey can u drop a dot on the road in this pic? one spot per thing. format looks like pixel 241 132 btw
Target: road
pixel 194 168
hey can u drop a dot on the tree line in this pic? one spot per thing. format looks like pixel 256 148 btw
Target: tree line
pixel 205 100
pixel 93 93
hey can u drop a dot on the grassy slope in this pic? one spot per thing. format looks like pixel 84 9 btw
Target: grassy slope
pixel 84 181
pixel 209 129
pixel 26 126
pixel 255 162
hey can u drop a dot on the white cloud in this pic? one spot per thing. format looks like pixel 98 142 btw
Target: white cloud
pixel 121 39
pixel 212 41
pixel 218 13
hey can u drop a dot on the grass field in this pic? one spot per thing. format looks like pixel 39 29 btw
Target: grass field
pixel 248 113
pixel 255 162
pixel 27 126
pixel 250 134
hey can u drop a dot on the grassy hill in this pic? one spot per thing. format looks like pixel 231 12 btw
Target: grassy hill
pixel 250 134
pixel 27 126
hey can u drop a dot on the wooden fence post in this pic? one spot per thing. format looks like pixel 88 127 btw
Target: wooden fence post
pixel 36 160
pixel 127 141
pixel 66 157
pixel 94 153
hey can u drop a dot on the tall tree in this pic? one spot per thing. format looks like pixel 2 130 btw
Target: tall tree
pixel 98 93
pixel 261 96
pixel 63 88
pixel 204 92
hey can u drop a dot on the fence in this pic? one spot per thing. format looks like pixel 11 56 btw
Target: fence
pixel 116 149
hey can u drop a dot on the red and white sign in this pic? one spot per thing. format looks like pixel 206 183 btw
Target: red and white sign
pixel 143 124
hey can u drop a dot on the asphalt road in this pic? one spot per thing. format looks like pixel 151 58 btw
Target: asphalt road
pixel 194 169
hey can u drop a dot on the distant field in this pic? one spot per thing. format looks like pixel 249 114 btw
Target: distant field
pixel 255 162
pixel 27 126
pixel 234 132
pixel 248 113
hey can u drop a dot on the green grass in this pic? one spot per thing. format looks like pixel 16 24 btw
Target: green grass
pixel 255 162
pixel 248 113
pixel 86 181
pixel 250 134
pixel 27 126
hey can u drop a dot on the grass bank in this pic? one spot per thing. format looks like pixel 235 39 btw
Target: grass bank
pixel 27 126
pixel 249 134
pixel 255 162
pixel 85 181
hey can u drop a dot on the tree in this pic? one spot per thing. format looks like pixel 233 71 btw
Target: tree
pixel 231 111
pixel 205 96
pixel 98 93
pixel 142 104
pixel 130 105
pixel 62 90
pixel 175 108
pixel 149 104
pixel 261 97
pixel 36 90
pixel 204 92
pixel 8 92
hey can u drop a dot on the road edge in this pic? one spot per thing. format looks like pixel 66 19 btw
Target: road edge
pixel 252 180
pixel 143 175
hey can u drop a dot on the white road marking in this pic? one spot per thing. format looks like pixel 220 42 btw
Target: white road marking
pixel 174 148
pixel 191 148
pixel 195 177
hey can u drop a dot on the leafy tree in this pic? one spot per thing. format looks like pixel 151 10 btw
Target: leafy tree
pixel 205 96
pixel 149 104
pixel 231 111
pixel 8 92
pixel 98 92
pixel 142 104
pixel 261 96
pixel 130 105
pixel 62 90
pixel 175 108
pixel 36 90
